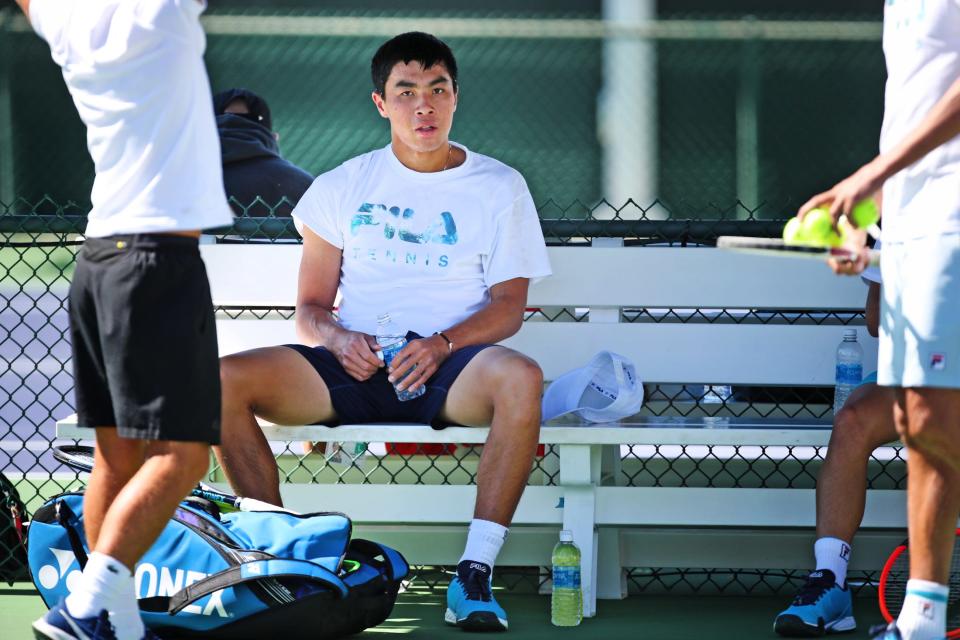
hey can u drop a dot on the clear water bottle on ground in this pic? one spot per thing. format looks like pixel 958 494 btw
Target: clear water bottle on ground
pixel 849 368
pixel 566 602
pixel 391 340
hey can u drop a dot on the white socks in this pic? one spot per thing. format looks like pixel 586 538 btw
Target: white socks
pixel 107 584
pixel 833 554
pixel 924 613
pixel 484 540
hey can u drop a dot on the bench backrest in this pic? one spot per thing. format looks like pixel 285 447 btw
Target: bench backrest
pixel 769 346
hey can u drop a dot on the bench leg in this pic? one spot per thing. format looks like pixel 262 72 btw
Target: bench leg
pixel 579 473
pixel 578 508
pixel 611 578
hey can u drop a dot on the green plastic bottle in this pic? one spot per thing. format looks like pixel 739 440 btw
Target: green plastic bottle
pixel 566 602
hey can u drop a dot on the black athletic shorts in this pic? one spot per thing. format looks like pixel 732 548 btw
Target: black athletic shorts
pixel 144 339
pixel 374 400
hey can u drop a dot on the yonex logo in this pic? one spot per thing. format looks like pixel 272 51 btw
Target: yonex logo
pixel 49 576
pixel 153 581
pixel 150 581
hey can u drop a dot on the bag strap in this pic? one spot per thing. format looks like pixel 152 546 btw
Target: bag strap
pixel 65 518
pixel 252 572
pixel 395 564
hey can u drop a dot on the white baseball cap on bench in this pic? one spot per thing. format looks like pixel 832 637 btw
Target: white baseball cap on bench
pixel 605 390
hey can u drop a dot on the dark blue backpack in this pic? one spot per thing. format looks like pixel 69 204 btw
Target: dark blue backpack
pixel 234 575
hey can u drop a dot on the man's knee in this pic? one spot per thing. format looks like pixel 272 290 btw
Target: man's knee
pixel 519 376
pixel 190 459
pixel 234 379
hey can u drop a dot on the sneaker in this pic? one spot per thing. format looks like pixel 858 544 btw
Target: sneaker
pixel 889 632
pixel 821 607
pixel 470 602
pixel 58 624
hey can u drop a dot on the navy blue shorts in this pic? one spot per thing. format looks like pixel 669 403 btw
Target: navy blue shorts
pixel 374 400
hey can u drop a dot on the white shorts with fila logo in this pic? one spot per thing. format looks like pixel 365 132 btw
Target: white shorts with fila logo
pixel 920 314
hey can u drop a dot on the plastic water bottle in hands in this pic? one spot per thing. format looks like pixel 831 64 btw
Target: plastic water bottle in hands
pixel 392 340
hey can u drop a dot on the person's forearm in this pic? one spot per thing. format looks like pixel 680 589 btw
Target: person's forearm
pixel 316 325
pixel 939 126
pixel 497 321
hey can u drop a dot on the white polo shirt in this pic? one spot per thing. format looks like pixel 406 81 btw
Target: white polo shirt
pixel 135 71
pixel 921 43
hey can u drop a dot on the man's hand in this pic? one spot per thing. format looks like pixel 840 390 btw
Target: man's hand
pixel 841 199
pixel 426 354
pixel 356 352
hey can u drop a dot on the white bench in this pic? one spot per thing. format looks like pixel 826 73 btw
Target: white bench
pixel 615 526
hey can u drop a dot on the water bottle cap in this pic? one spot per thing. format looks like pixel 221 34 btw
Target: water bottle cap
pixel 566 536
pixel 850 335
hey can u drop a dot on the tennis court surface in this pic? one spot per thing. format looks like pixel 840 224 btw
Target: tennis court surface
pixel 418 614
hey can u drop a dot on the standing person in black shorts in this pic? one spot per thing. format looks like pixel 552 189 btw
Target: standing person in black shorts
pixel 141 318
pixel 445 241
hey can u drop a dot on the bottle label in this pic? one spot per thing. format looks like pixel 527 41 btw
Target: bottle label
pixel 392 349
pixel 566 577
pixel 849 374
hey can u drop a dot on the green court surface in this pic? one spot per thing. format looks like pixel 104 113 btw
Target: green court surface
pixel 419 614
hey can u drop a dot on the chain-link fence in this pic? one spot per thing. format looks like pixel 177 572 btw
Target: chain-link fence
pixel 38 244
pixel 586 99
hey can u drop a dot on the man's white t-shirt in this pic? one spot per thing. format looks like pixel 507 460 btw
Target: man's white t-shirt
pixel 135 71
pixel 921 43
pixel 423 247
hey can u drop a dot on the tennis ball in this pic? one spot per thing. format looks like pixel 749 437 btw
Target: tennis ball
pixel 865 213
pixel 818 228
pixel 793 231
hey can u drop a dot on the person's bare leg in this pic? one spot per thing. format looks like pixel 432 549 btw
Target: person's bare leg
pixel 116 460
pixel 501 388
pixel 143 507
pixel 864 423
pixel 279 385
pixel 929 421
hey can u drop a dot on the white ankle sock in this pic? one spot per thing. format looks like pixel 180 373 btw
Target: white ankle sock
pixel 832 554
pixel 924 613
pixel 484 540
pixel 107 584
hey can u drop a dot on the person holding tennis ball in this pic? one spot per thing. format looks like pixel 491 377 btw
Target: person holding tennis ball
pixel 918 171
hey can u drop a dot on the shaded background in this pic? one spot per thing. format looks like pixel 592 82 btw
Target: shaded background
pixel 700 109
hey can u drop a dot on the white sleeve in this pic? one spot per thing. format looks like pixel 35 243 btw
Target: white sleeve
pixel 319 207
pixel 517 249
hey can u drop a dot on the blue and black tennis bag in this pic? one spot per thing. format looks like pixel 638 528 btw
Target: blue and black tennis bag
pixel 234 575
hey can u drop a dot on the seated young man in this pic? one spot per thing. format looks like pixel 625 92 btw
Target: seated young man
pixel 445 241
pixel 824 604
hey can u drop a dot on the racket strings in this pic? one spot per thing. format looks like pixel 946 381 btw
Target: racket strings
pixel 895 587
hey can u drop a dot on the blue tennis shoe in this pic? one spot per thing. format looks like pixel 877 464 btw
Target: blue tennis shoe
pixel 821 607
pixel 470 602
pixel 889 632
pixel 58 624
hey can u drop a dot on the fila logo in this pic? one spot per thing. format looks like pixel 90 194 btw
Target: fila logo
pixel 845 552
pixel 938 362
pixel 926 610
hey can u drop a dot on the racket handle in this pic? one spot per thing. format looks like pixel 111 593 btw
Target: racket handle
pixel 251 504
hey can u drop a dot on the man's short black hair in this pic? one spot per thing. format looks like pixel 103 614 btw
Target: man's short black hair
pixel 422 47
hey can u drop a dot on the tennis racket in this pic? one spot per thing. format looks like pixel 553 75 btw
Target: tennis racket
pixel 81 458
pixel 893 586
pixel 777 247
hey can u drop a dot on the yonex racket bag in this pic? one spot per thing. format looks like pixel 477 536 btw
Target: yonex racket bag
pixel 234 575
